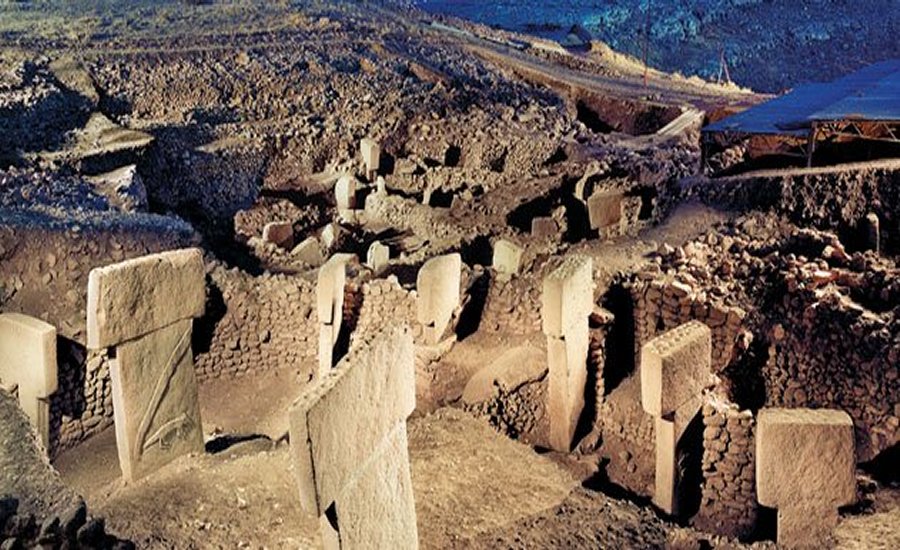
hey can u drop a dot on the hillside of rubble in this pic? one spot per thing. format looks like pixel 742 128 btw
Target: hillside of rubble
pixel 768 46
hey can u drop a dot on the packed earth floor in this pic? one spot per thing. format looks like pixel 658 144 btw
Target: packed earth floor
pixel 268 142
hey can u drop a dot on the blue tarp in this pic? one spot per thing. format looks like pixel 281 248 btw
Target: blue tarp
pixel 872 93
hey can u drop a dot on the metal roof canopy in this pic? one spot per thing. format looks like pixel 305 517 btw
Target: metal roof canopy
pixel 870 94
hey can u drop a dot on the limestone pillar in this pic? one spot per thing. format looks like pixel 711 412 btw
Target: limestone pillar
pixel 349 446
pixel 438 298
pixel 28 362
pixel 144 309
pixel 566 305
pixel 676 367
pixel 806 468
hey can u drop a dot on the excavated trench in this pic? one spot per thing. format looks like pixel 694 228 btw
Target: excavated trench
pixel 605 115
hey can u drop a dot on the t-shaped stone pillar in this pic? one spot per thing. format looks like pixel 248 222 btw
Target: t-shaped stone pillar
pixel 566 305
pixel 806 468
pixel 144 308
pixel 438 295
pixel 28 360
pixel 676 366
pixel 349 446
pixel 330 307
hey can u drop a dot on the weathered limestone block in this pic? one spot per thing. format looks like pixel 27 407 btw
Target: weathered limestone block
pixel 28 360
pixel 349 447
pixel 669 430
pixel 438 294
pixel 544 227
pixel 154 392
pixel 511 370
pixel 377 509
pixel 136 297
pixel 568 296
pixel 345 193
pixel 371 155
pixel 378 256
pixel 605 209
pixel 805 467
pixel 675 368
pixel 330 306
pixel 279 233
pixel 566 305
pixel 309 252
pixel 507 258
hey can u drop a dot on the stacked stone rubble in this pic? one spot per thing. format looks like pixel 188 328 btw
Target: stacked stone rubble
pixel 512 307
pixel 268 323
pixel 383 300
pixel 728 506
pixel 661 305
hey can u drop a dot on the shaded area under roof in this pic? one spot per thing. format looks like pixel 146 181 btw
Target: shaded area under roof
pixel 872 93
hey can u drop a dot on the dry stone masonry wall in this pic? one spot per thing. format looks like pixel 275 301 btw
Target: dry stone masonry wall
pixel 257 324
pixel 728 503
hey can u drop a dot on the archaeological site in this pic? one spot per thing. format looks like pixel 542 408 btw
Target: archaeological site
pixel 356 275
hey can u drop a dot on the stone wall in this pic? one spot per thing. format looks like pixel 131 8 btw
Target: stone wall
pixel 383 301
pixel 827 351
pixel 663 304
pixel 837 198
pixel 728 505
pixel 256 324
pixel 513 306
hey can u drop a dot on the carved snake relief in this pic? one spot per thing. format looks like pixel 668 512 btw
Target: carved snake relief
pixel 180 425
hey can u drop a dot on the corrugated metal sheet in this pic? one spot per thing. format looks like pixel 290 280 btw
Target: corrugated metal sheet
pixel 872 93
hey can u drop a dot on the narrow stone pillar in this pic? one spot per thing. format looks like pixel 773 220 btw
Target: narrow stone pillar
pixel 676 367
pixel 438 298
pixel 566 305
pixel 28 361
pixel 349 446
pixel 330 307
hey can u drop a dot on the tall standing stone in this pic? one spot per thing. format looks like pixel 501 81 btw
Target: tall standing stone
pixel 144 309
pixel 28 361
pixel 438 294
pixel 371 156
pixel 676 367
pixel 378 256
pixel 806 468
pixel 566 305
pixel 330 284
pixel 349 446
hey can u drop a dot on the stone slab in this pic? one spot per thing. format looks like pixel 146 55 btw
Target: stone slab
pixel 377 510
pixel 805 457
pixel 568 296
pixel 28 360
pixel 507 258
pixel 309 251
pixel 155 403
pixel 515 367
pixel 437 286
pixel 605 209
pixel 378 256
pixel 675 367
pixel 371 155
pixel 136 297
pixel 544 227
pixel 279 233
pixel 341 420
pixel 330 283
pixel 345 193
pixel 668 432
